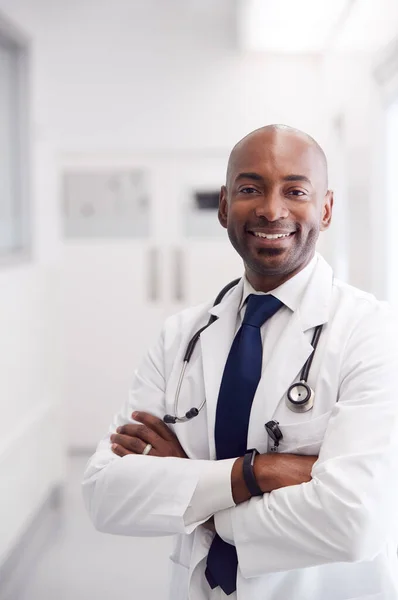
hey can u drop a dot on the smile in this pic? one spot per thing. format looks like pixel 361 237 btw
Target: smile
pixel 271 236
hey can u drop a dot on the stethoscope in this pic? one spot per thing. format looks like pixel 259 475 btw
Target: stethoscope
pixel 299 397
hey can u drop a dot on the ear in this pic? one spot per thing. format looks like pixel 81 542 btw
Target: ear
pixel 223 207
pixel 327 210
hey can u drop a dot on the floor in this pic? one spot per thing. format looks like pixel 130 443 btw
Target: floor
pixel 82 564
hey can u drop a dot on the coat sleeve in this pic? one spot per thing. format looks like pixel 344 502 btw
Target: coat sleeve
pixel 145 495
pixel 348 512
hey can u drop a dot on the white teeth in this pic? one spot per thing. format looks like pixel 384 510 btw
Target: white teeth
pixel 270 236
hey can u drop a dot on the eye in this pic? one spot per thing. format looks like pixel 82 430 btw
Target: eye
pixel 297 193
pixel 247 190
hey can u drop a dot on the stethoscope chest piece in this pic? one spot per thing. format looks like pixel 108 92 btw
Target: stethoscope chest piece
pixel 300 397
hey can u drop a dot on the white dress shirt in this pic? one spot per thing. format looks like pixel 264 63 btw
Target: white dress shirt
pixel 212 485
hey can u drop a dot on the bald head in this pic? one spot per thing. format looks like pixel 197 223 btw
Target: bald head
pixel 278 139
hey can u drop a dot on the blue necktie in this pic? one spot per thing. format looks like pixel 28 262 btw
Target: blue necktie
pixel 241 376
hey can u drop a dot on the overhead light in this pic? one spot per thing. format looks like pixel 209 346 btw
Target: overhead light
pixel 288 26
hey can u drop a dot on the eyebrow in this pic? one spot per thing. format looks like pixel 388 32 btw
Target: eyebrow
pixel 297 178
pixel 257 177
pixel 254 176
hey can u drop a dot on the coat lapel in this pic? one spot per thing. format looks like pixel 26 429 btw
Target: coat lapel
pixel 285 363
pixel 291 351
pixel 287 360
pixel 216 343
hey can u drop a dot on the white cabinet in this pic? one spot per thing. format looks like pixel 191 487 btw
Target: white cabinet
pixel 118 285
pixel 200 257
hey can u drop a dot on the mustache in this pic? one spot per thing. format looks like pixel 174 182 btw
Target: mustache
pixel 272 225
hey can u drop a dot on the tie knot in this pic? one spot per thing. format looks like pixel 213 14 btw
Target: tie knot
pixel 260 308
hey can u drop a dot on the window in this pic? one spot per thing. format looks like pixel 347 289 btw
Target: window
pixel 14 214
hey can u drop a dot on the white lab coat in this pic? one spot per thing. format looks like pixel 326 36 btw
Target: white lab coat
pixel 334 538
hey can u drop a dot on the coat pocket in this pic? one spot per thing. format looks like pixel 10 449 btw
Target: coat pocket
pixel 304 437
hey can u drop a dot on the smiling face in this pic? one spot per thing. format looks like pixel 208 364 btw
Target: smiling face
pixel 275 203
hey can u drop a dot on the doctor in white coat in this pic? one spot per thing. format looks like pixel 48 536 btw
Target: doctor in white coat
pixel 323 525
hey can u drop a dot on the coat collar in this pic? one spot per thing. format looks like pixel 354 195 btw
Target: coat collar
pixel 314 305
pixel 231 301
pixel 290 292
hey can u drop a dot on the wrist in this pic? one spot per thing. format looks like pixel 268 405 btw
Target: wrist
pixel 240 493
pixel 248 472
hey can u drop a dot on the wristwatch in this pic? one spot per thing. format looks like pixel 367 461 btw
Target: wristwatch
pixel 248 472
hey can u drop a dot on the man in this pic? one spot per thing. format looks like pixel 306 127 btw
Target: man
pixel 313 515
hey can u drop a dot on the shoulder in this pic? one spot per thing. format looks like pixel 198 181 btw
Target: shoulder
pixel 193 318
pixel 369 324
pixel 345 290
pixel 360 303
pixel 180 327
pixel 188 317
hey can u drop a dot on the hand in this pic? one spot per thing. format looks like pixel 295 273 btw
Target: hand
pixel 132 438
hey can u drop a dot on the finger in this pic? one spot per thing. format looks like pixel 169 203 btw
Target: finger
pixel 119 450
pixel 133 445
pixel 142 432
pixel 155 424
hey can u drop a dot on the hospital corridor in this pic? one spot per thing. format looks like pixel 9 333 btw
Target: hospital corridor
pixel 150 154
pixel 74 561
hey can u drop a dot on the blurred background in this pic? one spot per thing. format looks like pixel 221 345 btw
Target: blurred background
pixel 116 121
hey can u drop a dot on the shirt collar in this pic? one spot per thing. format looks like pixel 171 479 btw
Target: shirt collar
pixel 290 292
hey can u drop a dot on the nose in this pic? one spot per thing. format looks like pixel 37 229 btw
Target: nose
pixel 272 206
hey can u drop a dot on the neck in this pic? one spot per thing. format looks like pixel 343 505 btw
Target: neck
pixel 262 282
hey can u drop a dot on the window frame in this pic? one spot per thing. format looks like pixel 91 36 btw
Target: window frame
pixel 11 37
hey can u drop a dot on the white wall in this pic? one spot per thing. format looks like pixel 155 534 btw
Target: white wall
pixel 159 76
pixel 32 444
pixel 358 96
pixel 353 93
pixel 31 448
pixel 154 75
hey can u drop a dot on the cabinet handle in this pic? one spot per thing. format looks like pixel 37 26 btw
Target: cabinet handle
pixel 153 274
pixel 178 275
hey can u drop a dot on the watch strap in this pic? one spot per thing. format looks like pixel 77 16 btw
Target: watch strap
pixel 248 472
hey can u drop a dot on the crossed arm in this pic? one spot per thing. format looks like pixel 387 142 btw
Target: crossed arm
pixel 272 471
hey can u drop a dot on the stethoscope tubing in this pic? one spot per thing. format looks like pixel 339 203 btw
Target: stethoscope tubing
pixel 314 343
pixel 191 347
